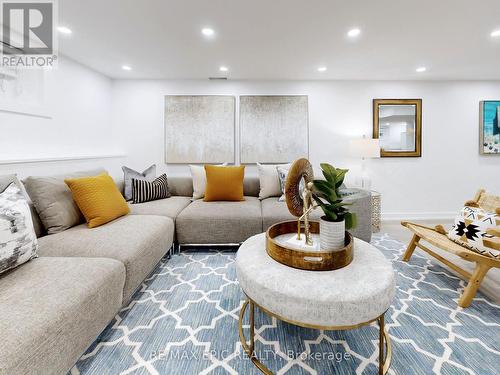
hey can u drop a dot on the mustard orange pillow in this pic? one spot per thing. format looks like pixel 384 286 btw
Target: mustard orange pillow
pixel 98 198
pixel 224 183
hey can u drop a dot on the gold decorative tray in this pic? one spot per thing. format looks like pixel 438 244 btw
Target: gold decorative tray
pixel 299 256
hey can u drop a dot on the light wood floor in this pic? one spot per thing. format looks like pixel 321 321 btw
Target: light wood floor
pixel 397 231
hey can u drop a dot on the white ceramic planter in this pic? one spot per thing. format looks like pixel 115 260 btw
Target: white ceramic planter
pixel 331 234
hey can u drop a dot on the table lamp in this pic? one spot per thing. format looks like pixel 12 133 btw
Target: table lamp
pixel 365 148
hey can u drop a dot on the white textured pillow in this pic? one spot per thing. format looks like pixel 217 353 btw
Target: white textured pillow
pixel 17 234
pixel 269 180
pixel 199 180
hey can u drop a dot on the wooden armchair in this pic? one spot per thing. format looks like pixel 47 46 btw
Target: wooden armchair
pixel 437 236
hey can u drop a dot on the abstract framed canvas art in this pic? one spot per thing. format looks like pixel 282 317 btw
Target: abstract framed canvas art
pixel 273 129
pixel 489 127
pixel 199 129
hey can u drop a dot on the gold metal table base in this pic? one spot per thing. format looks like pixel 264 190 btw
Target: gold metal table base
pixel 384 338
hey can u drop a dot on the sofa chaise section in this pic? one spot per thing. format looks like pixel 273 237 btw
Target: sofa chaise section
pixel 138 241
pixel 219 222
pixel 52 309
pixel 169 207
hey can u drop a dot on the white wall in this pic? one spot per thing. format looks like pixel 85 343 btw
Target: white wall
pixel 78 101
pixel 96 117
pixel 433 186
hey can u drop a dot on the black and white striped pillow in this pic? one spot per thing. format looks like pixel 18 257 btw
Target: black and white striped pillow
pixel 145 191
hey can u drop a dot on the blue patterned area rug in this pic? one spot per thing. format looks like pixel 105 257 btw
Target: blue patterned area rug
pixel 185 321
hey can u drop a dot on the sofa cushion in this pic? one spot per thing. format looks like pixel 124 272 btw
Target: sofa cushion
pixel 251 186
pixel 169 207
pixel 219 222
pixel 138 241
pixel 52 309
pixel 182 186
pixel 54 202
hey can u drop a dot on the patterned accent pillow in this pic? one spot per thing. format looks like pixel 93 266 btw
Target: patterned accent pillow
pixel 470 228
pixel 149 174
pixel 18 243
pixel 283 174
pixel 145 191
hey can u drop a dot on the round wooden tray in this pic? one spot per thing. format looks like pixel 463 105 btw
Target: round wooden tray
pixel 315 260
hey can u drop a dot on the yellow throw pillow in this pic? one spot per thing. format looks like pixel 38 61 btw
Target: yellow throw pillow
pixel 224 183
pixel 98 198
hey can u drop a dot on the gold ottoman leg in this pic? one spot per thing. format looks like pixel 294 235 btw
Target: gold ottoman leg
pixel 250 349
pixel 384 361
pixel 385 349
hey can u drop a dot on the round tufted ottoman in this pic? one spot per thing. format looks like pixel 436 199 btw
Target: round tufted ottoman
pixel 346 298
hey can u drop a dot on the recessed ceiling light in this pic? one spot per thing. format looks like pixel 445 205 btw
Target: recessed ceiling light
pixel 354 33
pixel 421 69
pixel 223 68
pixel 322 69
pixel 126 67
pixel 64 30
pixel 495 33
pixel 207 31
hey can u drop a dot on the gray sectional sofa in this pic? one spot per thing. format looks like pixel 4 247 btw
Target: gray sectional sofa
pixel 53 307
pixel 233 222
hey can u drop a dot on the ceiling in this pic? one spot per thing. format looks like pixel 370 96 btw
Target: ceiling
pixel 284 39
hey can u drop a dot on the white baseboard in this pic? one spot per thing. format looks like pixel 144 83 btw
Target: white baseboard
pixel 398 216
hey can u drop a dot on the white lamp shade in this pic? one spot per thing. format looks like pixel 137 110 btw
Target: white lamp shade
pixel 365 148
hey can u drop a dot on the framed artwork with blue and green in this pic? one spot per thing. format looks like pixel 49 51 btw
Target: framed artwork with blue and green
pixel 489 135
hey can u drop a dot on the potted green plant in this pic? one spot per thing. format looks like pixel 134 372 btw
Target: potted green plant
pixel 337 217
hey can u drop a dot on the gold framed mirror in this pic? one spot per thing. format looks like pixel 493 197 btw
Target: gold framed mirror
pixel 397 123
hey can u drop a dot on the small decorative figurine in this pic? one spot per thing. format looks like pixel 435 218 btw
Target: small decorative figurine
pixel 308 206
pixel 301 203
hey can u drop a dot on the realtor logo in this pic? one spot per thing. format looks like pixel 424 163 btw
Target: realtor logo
pixel 28 33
